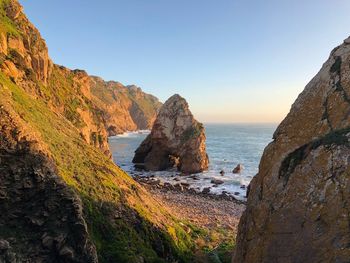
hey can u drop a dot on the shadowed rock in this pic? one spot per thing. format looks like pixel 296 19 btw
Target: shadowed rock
pixel 177 140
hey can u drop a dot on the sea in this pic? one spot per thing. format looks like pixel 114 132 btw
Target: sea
pixel 227 146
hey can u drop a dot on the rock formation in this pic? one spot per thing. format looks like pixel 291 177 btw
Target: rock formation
pixel 298 204
pixel 41 217
pixel 176 139
pixel 61 198
pixel 97 108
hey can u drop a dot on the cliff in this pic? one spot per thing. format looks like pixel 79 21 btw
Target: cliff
pixel 176 140
pixel 62 198
pixel 96 108
pixel 298 204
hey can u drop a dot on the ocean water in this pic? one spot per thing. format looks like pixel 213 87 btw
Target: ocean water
pixel 227 146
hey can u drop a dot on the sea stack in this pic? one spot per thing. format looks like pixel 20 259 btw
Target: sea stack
pixel 298 204
pixel 176 140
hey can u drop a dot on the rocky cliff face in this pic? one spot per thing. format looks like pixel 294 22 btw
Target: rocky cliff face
pixel 176 139
pixel 61 198
pixel 97 108
pixel 41 217
pixel 125 108
pixel 298 205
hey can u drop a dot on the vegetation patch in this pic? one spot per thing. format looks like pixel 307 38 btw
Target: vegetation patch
pixel 289 164
pixel 104 188
pixel 192 132
pixel 335 68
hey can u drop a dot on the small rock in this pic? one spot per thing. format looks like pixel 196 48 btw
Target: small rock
pixel 236 193
pixel 47 241
pixel 194 177
pixel 216 181
pixel 176 179
pixel 186 185
pixel 243 186
pixel 179 187
pixel 4 244
pixel 222 172
pixel 67 252
pixel 206 190
pixel 238 169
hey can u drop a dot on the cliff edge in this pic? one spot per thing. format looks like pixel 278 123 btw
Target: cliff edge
pixel 62 199
pixel 298 204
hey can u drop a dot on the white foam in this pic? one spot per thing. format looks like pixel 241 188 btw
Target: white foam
pixel 130 134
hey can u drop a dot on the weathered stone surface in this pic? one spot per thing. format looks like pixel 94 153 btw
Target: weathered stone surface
pixel 32 208
pixel 298 204
pixel 176 139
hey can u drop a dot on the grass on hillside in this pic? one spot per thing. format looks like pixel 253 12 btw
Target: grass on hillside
pixel 100 182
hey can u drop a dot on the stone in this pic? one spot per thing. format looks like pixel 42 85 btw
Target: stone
pixel 67 252
pixel 4 244
pixel 238 169
pixel 216 181
pixel 47 241
pixel 176 139
pixel 298 204
pixel 222 172
pixel 206 190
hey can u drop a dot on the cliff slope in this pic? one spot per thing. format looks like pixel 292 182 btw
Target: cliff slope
pixel 176 140
pixel 298 204
pixel 62 198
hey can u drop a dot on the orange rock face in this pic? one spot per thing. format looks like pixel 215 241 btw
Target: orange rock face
pixel 298 204
pixel 97 109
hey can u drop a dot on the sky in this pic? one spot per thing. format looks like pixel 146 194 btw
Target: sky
pixel 233 60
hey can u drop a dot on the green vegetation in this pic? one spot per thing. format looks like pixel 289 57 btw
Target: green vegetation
pixel 143 225
pixel 335 68
pixel 192 132
pixel 6 24
pixel 295 158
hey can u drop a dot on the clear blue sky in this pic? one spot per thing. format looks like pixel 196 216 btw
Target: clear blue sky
pixel 233 60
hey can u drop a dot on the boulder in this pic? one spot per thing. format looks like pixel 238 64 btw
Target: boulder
pixel 298 204
pixel 176 139
pixel 238 169
pixel 216 181
pixel 206 190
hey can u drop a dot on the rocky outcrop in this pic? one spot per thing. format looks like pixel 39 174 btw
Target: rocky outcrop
pixel 298 204
pixel 41 217
pixel 59 194
pixel 176 139
pixel 97 108
pixel 22 46
pixel 125 108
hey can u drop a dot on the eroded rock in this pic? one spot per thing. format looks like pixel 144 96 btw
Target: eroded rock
pixel 177 139
pixel 298 204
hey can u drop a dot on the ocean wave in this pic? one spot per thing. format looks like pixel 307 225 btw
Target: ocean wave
pixel 130 134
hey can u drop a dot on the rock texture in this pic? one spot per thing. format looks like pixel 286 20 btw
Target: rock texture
pixel 176 139
pixel 97 108
pixel 61 198
pixel 41 217
pixel 298 204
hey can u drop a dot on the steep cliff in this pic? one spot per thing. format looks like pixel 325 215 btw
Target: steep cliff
pixel 62 198
pixel 97 108
pixel 176 140
pixel 125 108
pixel 298 204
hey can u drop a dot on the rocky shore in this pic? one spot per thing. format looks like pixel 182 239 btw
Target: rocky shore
pixel 179 186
